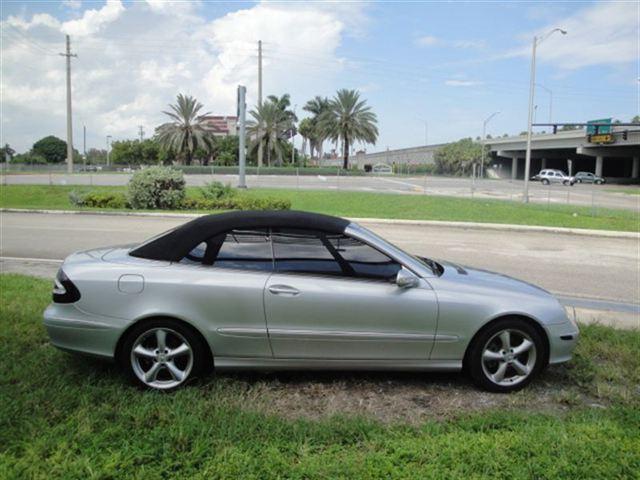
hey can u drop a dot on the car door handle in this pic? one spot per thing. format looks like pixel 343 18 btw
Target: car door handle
pixel 284 290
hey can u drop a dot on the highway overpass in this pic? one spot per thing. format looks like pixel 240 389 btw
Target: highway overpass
pixel 571 152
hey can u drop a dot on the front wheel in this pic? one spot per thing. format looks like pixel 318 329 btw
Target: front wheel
pixel 162 354
pixel 506 356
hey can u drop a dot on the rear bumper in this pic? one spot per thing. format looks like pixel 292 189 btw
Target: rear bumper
pixel 563 339
pixel 75 331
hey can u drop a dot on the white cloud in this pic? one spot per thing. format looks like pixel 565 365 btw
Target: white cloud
pixel 430 41
pixel 125 74
pixel 72 4
pixel 603 34
pixel 427 41
pixel 461 83
pixel 93 21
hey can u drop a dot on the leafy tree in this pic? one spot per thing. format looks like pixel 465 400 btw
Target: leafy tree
pixel 317 106
pixel 349 119
pixel 226 150
pixel 96 156
pixel 135 152
pixel 6 153
pixel 29 158
pixel 635 119
pixel 458 157
pixel 267 129
pixel 186 132
pixel 53 149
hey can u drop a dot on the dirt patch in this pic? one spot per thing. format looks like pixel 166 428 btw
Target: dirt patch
pixel 398 397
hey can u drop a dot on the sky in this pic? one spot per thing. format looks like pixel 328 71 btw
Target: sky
pixel 431 71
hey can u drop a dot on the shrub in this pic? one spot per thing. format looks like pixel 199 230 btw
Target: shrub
pixel 157 188
pixel 217 190
pixel 29 158
pixel 236 203
pixel 98 200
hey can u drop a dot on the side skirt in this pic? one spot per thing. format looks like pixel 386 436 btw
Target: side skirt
pixel 237 363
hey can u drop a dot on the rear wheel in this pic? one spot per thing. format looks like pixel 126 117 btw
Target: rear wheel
pixel 162 354
pixel 598 182
pixel 506 356
pixel 545 181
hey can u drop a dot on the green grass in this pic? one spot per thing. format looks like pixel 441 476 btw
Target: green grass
pixel 68 417
pixel 376 205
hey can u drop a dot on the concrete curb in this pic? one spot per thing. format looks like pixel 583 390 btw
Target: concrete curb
pixel 608 318
pixel 387 221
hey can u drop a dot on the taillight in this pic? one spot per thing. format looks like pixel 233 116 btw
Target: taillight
pixel 64 291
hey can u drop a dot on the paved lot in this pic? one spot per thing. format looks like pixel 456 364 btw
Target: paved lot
pixel 585 195
pixel 597 270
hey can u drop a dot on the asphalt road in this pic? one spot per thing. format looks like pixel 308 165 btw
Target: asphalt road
pixel 596 269
pixel 584 195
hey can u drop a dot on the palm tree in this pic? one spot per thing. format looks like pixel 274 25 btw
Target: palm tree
pixel 186 132
pixel 306 129
pixel 283 103
pixel 317 106
pixel 268 126
pixel 349 119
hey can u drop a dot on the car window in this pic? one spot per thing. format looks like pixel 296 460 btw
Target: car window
pixel 307 251
pixel 244 249
pixel 366 261
pixel 241 249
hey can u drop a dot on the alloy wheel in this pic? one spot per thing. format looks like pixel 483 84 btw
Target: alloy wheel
pixel 161 358
pixel 509 357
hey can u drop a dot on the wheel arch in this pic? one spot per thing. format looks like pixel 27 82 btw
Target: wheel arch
pixel 183 322
pixel 530 320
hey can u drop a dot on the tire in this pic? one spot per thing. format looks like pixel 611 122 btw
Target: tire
pixel 496 366
pixel 149 366
pixel 545 181
pixel 565 182
pixel 579 181
pixel 598 182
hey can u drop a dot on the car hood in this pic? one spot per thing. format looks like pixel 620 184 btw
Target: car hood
pixel 490 280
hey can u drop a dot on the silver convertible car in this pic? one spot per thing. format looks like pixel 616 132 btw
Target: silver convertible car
pixel 296 290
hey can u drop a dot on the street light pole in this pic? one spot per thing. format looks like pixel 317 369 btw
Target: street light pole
pixel 527 161
pixel 484 136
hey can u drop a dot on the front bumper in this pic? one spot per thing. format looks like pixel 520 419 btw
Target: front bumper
pixel 73 330
pixel 563 338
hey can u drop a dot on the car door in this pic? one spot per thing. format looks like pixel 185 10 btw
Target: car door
pixel 334 297
pixel 226 277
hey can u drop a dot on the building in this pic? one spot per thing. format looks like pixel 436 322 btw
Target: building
pixel 403 156
pixel 617 158
pixel 221 126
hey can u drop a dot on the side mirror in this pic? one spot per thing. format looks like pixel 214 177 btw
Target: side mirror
pixel 406 279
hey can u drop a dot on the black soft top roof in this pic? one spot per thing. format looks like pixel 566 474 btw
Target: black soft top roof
pixel 175 244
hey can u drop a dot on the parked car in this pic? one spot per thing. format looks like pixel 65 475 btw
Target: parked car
pixel 548 176
pixel 382 168
pixel 588 177
pixel 295 290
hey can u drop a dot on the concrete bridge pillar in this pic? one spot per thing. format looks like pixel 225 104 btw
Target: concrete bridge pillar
pixel 543 164
pixel 514 168
pixel 635 167
pixel 598 171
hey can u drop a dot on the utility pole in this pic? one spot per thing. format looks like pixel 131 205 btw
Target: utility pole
pixel 141 132
pixel 108 148
pixel 293 134
pixel 259 100
pixel 84 143
pixel 242 110
pixel 68 54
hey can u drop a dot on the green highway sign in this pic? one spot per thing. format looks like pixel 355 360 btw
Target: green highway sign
pixel 602 129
